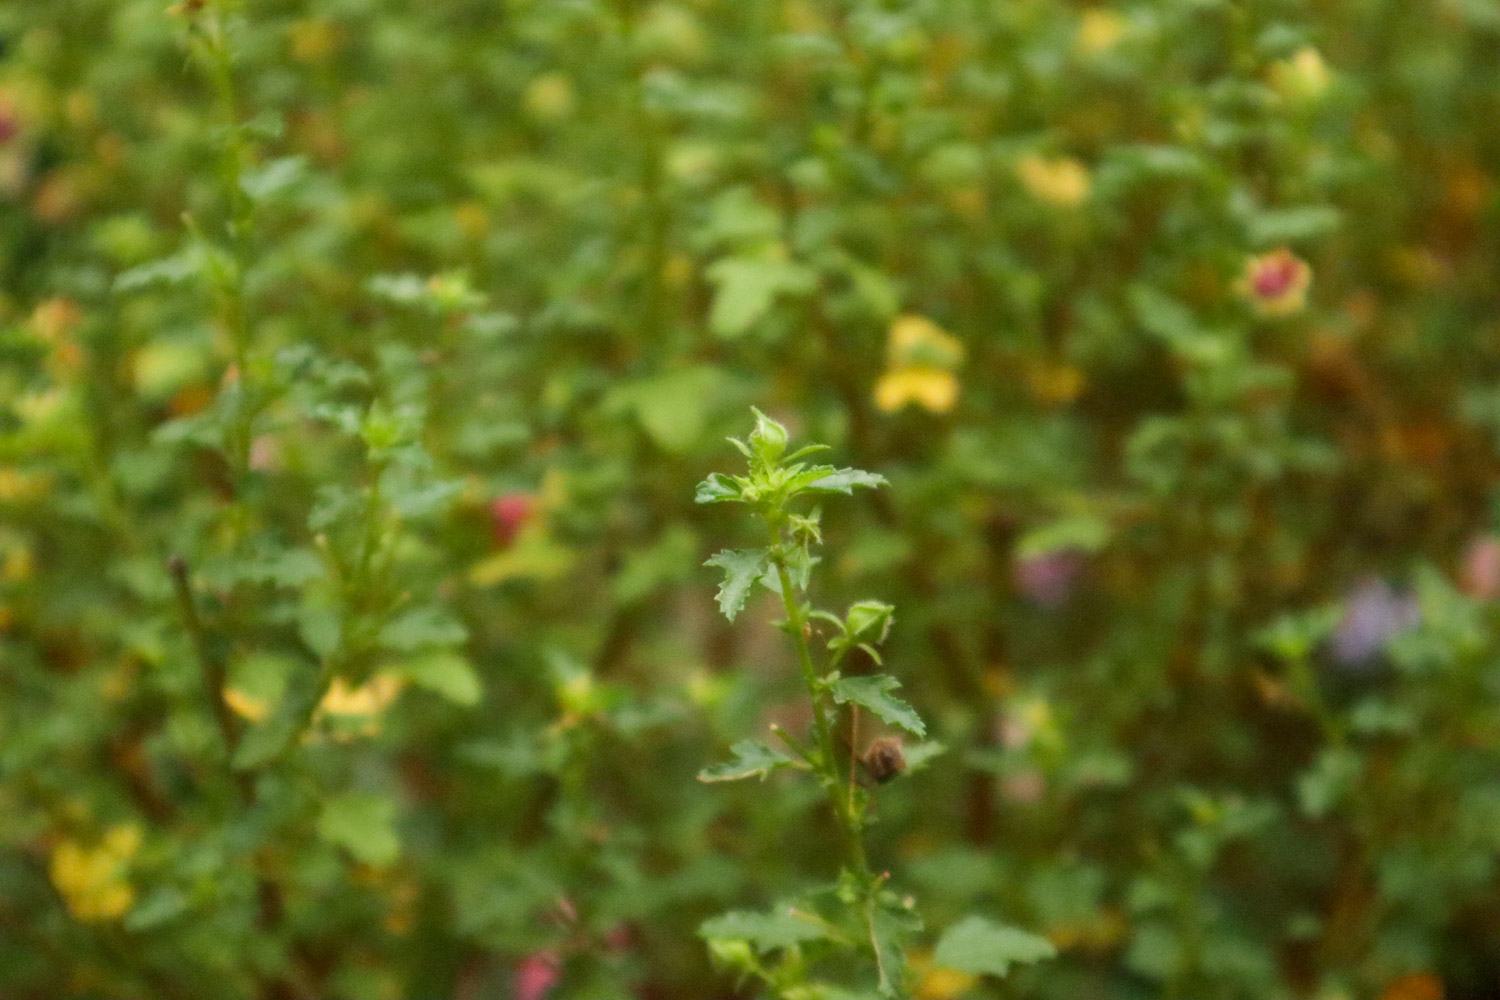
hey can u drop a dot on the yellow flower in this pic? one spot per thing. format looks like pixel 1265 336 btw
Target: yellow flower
pixel 245 705
pixel 21 486
pixel 1303 77
pixel 91 880
pixel 369 699
pixel 933 389
pixel 918 341
pixel 354 712
pixel 1276 283
pixel 1098 31
pixel 55 319
pixel 934 983
pixel 1060 180
pixel 920 361
pixel 314 39
pixel 1054 385
pixel 17 562
pixel 549 97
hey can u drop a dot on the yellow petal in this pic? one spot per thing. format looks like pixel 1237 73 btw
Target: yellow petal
pixel 370 698
pixel 1061 181
pixel 918 341
pixel 933 389
pixel 246 706
pixel 1098 31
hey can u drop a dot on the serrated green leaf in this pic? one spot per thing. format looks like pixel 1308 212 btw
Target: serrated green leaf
pixel 1082 533
pixel 267 741
pixel 364 825
pixel 752 759
pixel 181 267
pixel 765 931
pixel 742 569
pixel 874 693
pixel 1290 225
pixel 162 906
pixel 1328 781
pixel 445 673
pixel 747 287
pixel 280 175
pixel 420 628
pixel 285 568
pixel 670 559
pixel 890 925
pixel 843 481
pixel 717 488
pixel 982 947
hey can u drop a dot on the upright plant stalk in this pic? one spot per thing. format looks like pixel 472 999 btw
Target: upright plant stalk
pixel 209 27
pixel 827 760
pixel 774 484
pixel 873 924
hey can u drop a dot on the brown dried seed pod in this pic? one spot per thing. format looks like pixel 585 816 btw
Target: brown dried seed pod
pixel 884 759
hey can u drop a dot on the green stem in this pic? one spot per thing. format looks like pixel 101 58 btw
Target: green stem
pixel 233 313
pixel 210 668
pixel 832 778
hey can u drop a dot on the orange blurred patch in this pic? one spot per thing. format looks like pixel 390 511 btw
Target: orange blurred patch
pixel 1415 986
pixel 193 399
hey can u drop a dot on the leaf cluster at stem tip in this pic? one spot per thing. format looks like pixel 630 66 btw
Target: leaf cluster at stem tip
pixel 774 481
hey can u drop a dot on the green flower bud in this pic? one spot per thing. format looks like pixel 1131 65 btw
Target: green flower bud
pixel 768 439
pixel 869 620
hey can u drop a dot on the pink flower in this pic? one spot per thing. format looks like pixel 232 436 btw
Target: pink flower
pixel 1276 283
pixel 509 514
pixel 536 974
pixel 1048 579
pixel 1481 567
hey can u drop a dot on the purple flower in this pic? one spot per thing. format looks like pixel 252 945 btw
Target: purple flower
pixel 1373 613
pixel 1048 578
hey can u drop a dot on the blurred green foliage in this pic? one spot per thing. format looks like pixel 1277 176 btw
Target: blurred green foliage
pixel 358 359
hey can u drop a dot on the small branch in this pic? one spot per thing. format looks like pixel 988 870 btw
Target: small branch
pixel 212 671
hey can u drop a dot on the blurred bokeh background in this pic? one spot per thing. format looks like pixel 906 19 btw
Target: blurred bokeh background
pixel 358 359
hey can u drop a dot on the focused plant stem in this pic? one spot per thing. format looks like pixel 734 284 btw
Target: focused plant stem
pixel 843 808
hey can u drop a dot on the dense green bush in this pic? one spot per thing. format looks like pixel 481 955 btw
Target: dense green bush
pixel 358 361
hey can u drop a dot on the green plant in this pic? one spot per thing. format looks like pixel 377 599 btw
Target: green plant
pixel 859 919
